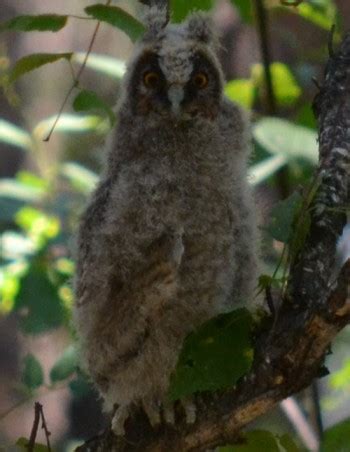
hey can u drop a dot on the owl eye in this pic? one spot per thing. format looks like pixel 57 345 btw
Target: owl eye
pixel 151 79
pixel 200 80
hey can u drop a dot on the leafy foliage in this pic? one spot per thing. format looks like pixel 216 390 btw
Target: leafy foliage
pixel 215 356
pixel 337 438
pixel 181 8
pixel 261 440
pixel 65 366
pixel 34 61
pixel 32 375
pixel 117 17
pixel 44 22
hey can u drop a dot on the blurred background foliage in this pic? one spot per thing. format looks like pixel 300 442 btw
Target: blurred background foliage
pixel 50 162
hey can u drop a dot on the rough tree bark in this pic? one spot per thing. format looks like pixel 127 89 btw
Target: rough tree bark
pixel 289 353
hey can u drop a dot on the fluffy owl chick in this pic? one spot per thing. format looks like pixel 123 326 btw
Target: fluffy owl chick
pixel 168 238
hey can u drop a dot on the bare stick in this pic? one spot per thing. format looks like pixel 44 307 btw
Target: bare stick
pixel 77 78
pixel 34 432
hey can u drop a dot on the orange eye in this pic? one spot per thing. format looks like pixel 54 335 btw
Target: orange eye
pixel 200 80
pixel 151 79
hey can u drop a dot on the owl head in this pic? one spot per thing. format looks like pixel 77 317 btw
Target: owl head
pixel 174 73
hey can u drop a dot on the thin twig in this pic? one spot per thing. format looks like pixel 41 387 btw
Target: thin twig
pixel 317 409
pixel 77 78
pixel 44 427
pixel 262 23
pixel 34 432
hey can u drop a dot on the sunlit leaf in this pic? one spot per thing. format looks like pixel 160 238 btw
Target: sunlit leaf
pixel 215 356
pixel 32 180
pixel 39 226
pixel 9 286
pixel 34 61
pixel 244 8
pixel 323 18
pixel 81 178
pixel 72 124
pixel 117 17
pixel 89 101
pixel 337 438
pixel 65 366
pixel 32 375
pixel 43 22
pixel 11 188
pixel 341 378
pixel 14 245
pixel 262 171
pixel 181 8
pixel 14 135
pixel 102 63
pixel 278 136
pixel 286 89
pixel 241 91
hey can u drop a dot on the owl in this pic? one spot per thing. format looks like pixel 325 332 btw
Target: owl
pixel 168 238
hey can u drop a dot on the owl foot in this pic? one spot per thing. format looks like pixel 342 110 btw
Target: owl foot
pixel 190 410
pixel 152 408
pixel 120 416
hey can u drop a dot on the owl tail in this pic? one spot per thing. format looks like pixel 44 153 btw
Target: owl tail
pixel 157 15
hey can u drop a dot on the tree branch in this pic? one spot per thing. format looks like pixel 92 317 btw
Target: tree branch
pixel 290 350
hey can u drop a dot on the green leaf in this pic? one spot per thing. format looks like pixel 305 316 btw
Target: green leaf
pixel 286 89
pixel 14 245
pixel 288 444
pixel 38 302
pixel 241 91
pixel 32 180
pixel 181 8
pixel 322 17
pixel 262 171
pixel 81 178
pixel 14 135
pixel 282 218
pixel 44 22
pixel 34 61
pixel 65 366
pixel 14 189
pixel 80 386
pixel 341 378
pixel 337 438
pixel 89 101
pixel 215 356
pixel 244 8
pixel 117 17
pixel 23 444
pixel 32 375
pixel 254 441
pixel 72 124
pixel 102 63
pixel 278 136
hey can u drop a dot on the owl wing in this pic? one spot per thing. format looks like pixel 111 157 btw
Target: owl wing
pixel 91 221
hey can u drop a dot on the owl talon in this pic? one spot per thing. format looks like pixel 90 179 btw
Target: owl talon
pixel 190 410
pixel 119 418
pixel 169 413
pixel 152 409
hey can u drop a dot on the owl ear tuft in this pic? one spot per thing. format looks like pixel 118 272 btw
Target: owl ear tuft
pixel 201 28
pixel 157 15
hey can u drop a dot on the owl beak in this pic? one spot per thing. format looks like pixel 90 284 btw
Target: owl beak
pixel 176 96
